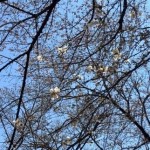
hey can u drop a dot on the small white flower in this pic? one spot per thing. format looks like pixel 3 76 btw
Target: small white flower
pixel 17 123
pixel 55 93
pixel 101 69
pixel 80 77
pixel 74 123
pixel 132 14
pixel 116 54
pixel 115 51
pixel 54 96
pixel 117 57
pixel 68 140
pixel 68 137
pixel 89 68
pixel 39 58
pixel 127 61
pixel 56 90
pixel 76 77
pixel 62 50
pixel 106 69
pixel 14 121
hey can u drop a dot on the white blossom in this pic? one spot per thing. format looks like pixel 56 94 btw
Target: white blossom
pixel 77 76
pixel 62 50
pixel 102 69
pixel 115 51
pixel 127 61
pixel 68 140
pixel 116 54
pixel 106 69
pixel 89 68
pixel 132 14
pixel 80 77
pixel 117 57
pixel 55 92
pixel 18 123
pixel 15 121
pixel 39 58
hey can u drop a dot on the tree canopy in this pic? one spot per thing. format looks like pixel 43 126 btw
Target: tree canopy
pixel 75 74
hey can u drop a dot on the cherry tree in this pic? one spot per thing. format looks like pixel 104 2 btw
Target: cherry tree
pixel 74 74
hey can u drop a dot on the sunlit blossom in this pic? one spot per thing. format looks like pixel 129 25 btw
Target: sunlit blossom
pixel 68 140
pixel 80 77
pixel 74 123
pixel 17 123
pixel 62 50
pixel 132 14
pixel 115 51
pixel 39 58
pixel 77 76
pixel 101 69
pixel 117 57
pixel 55 92
pixel 89 68
pixel 106 69
pixel 116 54
pixel 127 61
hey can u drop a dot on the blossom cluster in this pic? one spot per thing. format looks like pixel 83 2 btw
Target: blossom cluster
pixel 116 54
pixel 62 50
pixel 18 124
pixel 40 58
pixel 55 92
